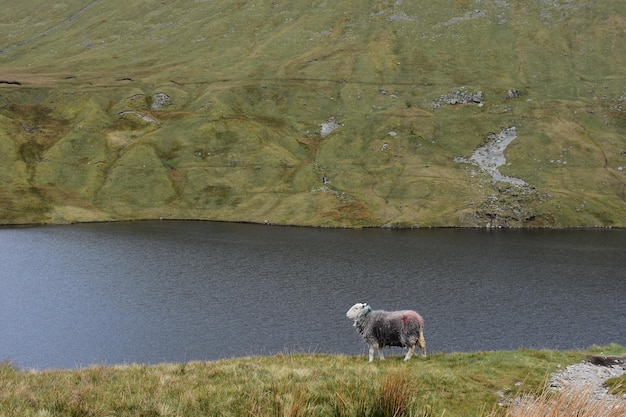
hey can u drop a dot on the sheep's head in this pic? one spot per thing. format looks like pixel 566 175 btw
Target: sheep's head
pixel 357 310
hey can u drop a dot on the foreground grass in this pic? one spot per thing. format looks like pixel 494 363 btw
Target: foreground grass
pixel 457 384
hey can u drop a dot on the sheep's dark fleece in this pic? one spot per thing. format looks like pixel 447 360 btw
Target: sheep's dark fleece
pixel 388 328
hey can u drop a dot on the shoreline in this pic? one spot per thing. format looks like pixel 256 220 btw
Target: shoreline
pixel 381 226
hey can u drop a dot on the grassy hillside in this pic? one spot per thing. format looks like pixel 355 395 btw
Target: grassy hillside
pixel 237 110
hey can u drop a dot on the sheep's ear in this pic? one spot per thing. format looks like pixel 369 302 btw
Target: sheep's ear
pixel 368 308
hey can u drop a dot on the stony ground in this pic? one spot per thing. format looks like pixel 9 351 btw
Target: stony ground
pixel 589 376
pixel 582 386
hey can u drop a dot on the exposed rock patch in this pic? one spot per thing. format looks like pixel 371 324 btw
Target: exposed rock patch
pixel 590 377
pixel 328 126
pixel 582 386
pixel 159 100
pixel 470 15
pixel 490 156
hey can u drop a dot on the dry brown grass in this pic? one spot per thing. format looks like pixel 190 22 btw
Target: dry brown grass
pixel 395 396
pixel 576 402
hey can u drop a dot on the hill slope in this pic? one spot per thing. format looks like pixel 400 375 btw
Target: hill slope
pixel 350 113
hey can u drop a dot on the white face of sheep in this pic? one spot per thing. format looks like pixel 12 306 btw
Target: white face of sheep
pixel 356 310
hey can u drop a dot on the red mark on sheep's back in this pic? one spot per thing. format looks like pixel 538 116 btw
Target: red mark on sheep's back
pixel 412 316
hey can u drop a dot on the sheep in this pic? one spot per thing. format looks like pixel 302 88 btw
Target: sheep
pixel 388 328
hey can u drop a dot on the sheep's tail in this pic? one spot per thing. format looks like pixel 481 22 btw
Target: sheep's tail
pixel 421 342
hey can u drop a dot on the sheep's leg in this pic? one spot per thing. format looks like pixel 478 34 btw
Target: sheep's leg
pixel 410 353
pixel 380 352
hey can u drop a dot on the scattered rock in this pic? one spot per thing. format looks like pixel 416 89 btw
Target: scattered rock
pixel 159 100
pixel 28 127
pixel 142 117
pixel 328 126
pixel 513 94
pixel 341 195
pixel 469 15
pixel 459 96
pixel 401 16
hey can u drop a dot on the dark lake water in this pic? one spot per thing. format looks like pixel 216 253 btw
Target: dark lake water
pixel 150 292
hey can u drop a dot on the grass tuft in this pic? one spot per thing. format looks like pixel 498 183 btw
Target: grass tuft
pixel 395 397
pixel 617 385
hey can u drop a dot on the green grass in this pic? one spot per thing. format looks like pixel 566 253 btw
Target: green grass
pixel 250 83
pixel 617 385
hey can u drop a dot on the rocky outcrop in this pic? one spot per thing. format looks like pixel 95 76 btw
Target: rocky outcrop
pixel 459 96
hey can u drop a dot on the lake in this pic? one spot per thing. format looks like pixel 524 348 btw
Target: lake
pixel 173 291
